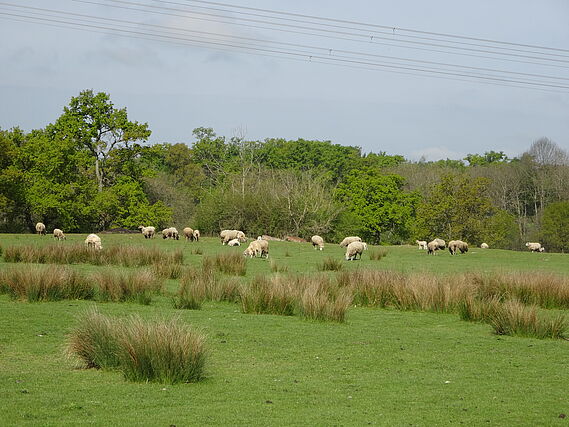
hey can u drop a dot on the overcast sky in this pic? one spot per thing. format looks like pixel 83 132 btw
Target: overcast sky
pixel 178 87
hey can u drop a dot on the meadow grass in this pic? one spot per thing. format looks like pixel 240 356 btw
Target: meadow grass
pixel 318 377
pixel 165 351
pixel 377 254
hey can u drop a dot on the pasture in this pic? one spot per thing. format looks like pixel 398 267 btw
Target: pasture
pixel 382 366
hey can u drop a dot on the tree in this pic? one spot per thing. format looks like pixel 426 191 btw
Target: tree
pixel 555 226
pixel 380 202
pixel 457 208
pixel 93 123
pixel 489 157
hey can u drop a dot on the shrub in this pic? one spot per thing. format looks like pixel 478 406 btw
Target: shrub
pixel 121 286
pixel 330 264
pixel 40 283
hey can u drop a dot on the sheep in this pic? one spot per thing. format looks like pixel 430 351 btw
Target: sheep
pixel 441 243
pixel 432 247
pixel 234 242
pixel 147 232
pixel 93 241
pixel 457 245
pixel 227 235
pixel 355 248
pixel 484 246
pixel 344 243
pixel 188 233
pixel 170 233
pixel 534 247
pixel 197 235
pixel 422 244
pixel 40 228
pixel 317 242
pixel 257 248
pixel 58 234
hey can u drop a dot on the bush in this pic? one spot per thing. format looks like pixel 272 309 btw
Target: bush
pixel 159 351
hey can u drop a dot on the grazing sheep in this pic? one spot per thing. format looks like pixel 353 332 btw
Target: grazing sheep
pixel 147 232
pixel 457 245
pixel 432 247
pixel 259 238
pixel 40 228
pixel 441 243
pixel 197 235
pixel 422 244
pixel 188 233
pixel 534 247
pixel 354 249
pixel 484 246
pixel 317 242
pixel 227 235
pixel 58 234
pixel 344 243
pixel 257 248
pixel 234 242
pixel 542 249
pixel 170 233
pixel 93 241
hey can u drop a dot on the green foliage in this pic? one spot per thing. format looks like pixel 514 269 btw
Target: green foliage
pixel 457 208
pixel 555 226
pixel 501 231
pixel 487 158
pixel 381 204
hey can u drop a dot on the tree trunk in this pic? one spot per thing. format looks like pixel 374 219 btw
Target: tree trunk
pixel 99 175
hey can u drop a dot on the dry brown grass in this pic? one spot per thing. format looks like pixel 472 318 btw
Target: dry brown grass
pixel 121 286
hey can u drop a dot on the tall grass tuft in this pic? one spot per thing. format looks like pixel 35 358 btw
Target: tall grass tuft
pixel 192 291
pixel 229 263
pixel 514 318
pixel 40 283
pixel 330 264
pixel 321 300
pixel 168 271
pixel 159 351
pixel 95 340
pixel 274 295
pixel 377 254
pixel 276 267
pixel 477 310
pixel 121 286
pixel 126 256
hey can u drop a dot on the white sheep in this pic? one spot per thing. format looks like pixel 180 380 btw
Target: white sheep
pixel 40 228
pixel 534 247
pixel 170 233
pixel 317 242
pixel 93 241
pixel 234 242
pixel 344 243
pixel 484 246
pixel 58 234
pixel 147 232
pixel 432 247
pixel 457 245
pixel 188 233
pixel 354 249
pixel 227 235
pixel 197 235
pixel 257 248
pixel 441 243
pixel 422 244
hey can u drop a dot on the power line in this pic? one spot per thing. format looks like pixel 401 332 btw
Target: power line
pixel 289 53
pixel 263 41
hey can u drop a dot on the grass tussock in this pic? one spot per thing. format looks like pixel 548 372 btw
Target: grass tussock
pixel 232 263
pixel 121 286
pixel 126 256
pixel 276 267
pixel 197 251
pixel 274 295
pixel 197 286
pixel 158 351
pixel 168 271
pixel 330 264
pixel 321 300
pixel 377 254
pixel 41 283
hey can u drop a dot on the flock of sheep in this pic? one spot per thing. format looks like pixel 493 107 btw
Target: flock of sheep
pixel 260 247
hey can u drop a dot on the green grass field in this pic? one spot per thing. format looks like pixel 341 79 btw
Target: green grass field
pixel 380 367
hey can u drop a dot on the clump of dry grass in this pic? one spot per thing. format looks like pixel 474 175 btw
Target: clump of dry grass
pixel 274 295
pixel 276 267
pixel 41 283
pixel 165 351
pixel 322 300
pixel 168 271
pixel 121 286
pixel 477 310
pixel 377 254
pixel 229 263
pixel 330 264
pixel 126 256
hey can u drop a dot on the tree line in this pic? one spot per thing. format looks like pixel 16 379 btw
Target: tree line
pixel 93 169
